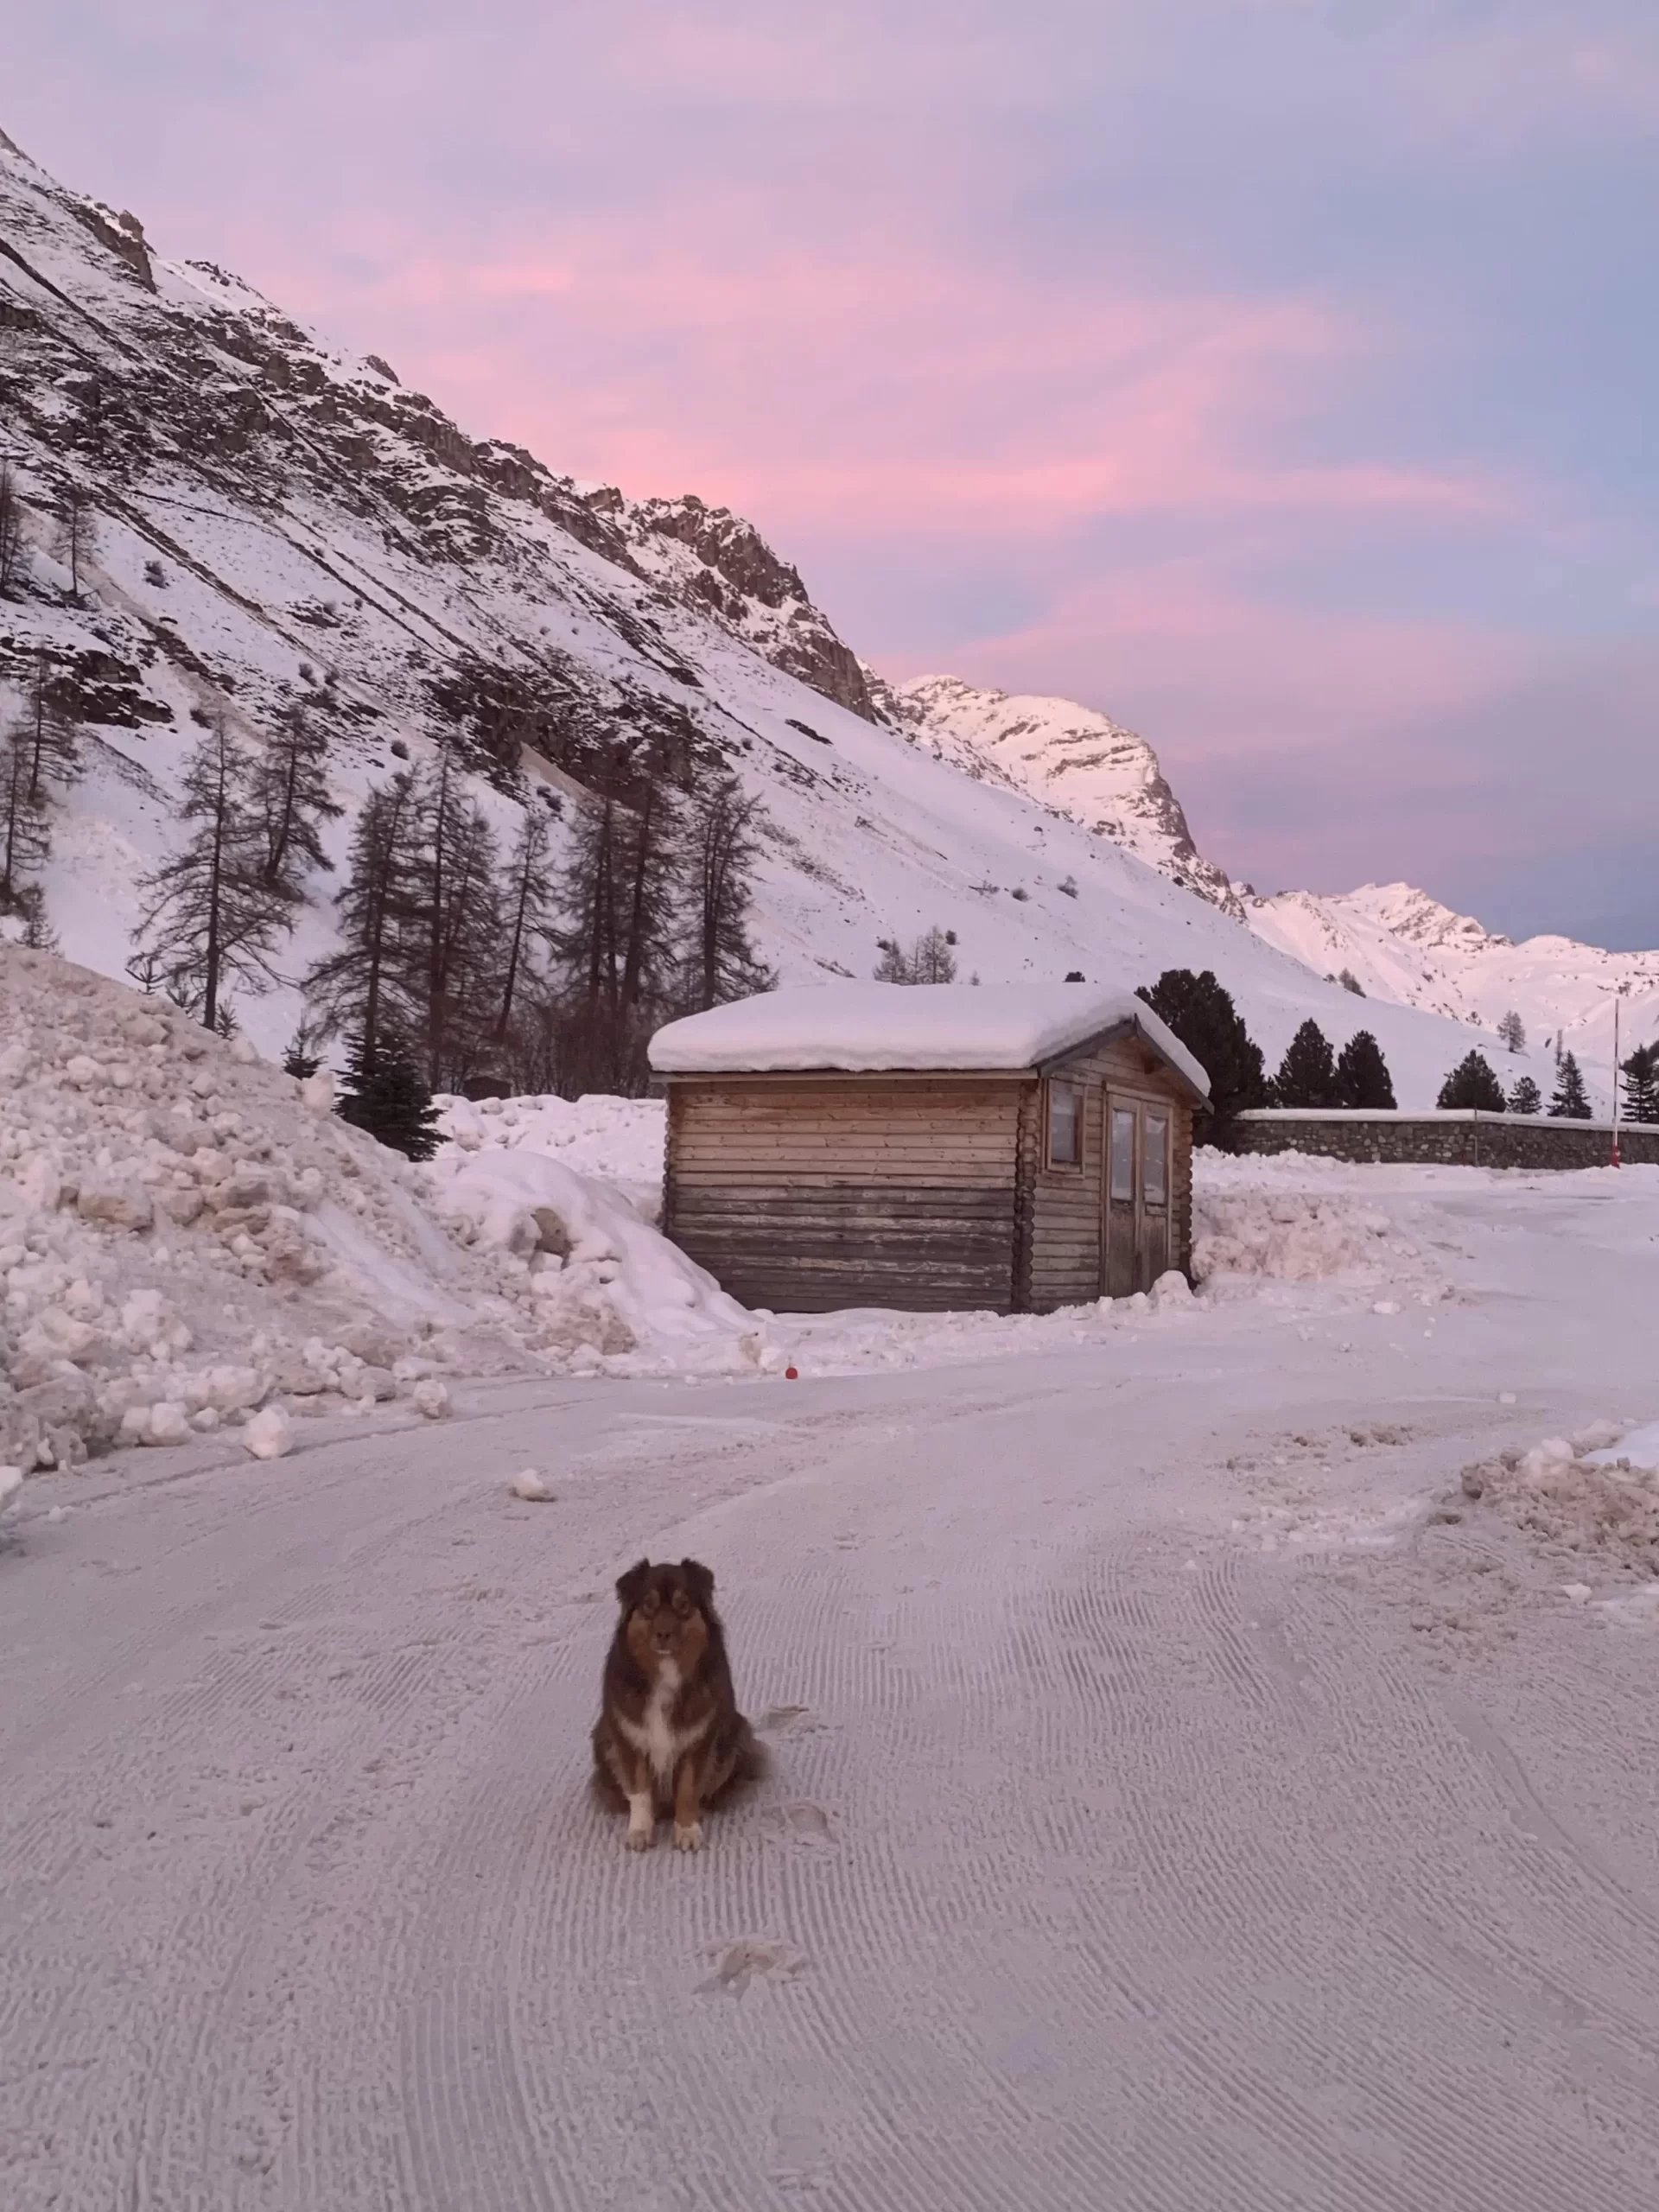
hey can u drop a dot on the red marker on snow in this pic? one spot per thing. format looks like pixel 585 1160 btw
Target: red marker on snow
pixel 791 1374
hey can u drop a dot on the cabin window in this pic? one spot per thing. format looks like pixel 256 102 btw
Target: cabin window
pixel 1122 1182
pixel 1064 1125
pixel 1154 1181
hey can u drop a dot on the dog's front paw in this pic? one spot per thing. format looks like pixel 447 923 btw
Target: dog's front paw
pixel 687 1838
pixel 637 1840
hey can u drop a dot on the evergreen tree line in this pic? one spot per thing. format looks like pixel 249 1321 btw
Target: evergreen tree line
pixel 1202 1015
pixel 455 964
pixel 1473 1082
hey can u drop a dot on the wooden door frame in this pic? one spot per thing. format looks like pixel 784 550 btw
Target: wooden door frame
pixel 1116 1094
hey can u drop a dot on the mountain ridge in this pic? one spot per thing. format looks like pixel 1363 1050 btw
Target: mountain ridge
pixel 280 521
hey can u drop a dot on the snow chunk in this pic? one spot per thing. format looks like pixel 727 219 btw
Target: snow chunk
pixel 528 1484
pixel 868 1027
pixel 430 1398
pixel 11 1481
pixel 269 1434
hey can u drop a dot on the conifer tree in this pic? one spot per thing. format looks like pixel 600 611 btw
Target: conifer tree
pixel 1307 1074
pixel 527 896
pixel 1200 1012
pixel 38 934
pixel 931 959
pixel 302 1060
pixel 77 534
pixel 364 987
pixel 1570 1103
pixel 1362 1078
pixel 1525 1097
pixel 1473 1083
pixel 612 937
pixel 13 545
pixel 720 851
pixel 24 840
pixel 211 916
pixel 290 789
pixel 454 978
pixel 1512 1032
pixel 1641 1073
pixel 49 734
pixel 385 1093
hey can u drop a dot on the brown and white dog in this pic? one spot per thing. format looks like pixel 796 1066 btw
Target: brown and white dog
pixel 670 1737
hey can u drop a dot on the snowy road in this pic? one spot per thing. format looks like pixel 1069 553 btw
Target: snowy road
pixel 1111 1858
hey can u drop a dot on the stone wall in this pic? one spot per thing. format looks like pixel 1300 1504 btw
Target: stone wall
pixel 1465 1139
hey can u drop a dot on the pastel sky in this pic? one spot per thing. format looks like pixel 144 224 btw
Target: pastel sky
pixel 1278 375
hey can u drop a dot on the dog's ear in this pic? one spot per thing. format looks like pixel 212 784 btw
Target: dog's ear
pixel 630 1587
pixel 699 1580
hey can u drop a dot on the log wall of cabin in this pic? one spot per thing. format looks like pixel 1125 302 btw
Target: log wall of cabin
pixel 806 1194
pixel 1066 1203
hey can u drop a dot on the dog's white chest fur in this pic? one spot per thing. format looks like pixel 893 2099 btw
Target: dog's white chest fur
pixel 662 1743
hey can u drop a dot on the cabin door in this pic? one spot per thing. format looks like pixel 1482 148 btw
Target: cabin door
pixel 1135 1238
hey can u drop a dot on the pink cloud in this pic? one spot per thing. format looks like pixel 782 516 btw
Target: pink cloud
pixel 886 383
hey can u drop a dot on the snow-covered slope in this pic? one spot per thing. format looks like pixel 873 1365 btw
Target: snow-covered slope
pixel 1078 763
pixel 277 522
pixel 1399 944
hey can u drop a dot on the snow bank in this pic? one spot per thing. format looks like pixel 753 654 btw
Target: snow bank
pixel 1248 1227
pixel 183 1238
pixel 597 1273
pixel 619 1141
pixel 868 1027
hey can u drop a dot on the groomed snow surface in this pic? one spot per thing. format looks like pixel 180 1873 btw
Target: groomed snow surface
pixel 1212 1741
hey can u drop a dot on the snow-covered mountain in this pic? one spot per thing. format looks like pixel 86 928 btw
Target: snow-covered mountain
pixel 277 521
pixel 1399 944
pixel 1074 760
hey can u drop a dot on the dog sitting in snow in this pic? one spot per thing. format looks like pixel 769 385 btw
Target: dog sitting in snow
pixel 670 1737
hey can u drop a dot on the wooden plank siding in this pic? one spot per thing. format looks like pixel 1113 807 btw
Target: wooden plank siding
pixel 803 1194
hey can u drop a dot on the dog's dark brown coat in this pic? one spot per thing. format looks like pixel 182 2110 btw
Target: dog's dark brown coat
pixel 670 1737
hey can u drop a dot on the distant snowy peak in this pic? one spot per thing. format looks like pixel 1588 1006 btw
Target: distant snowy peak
pixel 1398 943
pixel 1415 918
pixel 1068 756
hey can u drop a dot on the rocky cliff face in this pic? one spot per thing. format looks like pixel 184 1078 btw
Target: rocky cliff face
pixel 714 559
pixel 1080 763
pixel 143 377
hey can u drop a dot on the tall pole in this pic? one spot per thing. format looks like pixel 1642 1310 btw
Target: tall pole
pixel 1615 1082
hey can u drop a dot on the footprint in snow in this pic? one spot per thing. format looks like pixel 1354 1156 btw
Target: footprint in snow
pixel 801 1822
pixel 777 1718
pixel 738 1964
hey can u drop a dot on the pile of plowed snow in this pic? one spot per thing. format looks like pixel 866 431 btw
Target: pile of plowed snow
pixel 1253 1221
pixel 1591 1498
pixel 187 1234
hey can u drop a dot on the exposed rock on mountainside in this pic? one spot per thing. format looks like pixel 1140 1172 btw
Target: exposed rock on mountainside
pixel 1081 763
pixel 714 558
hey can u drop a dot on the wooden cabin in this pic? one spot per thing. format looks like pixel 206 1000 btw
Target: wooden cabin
pixel 1014 1148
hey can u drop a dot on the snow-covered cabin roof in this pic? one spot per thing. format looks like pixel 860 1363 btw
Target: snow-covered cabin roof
pixel 875 1028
